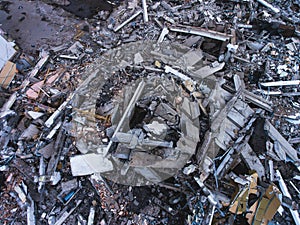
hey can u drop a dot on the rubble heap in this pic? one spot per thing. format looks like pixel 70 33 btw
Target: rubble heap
pixel 159 112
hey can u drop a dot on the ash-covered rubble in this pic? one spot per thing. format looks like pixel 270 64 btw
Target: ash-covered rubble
pixel 159 112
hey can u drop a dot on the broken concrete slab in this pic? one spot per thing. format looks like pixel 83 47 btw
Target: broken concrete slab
pixel 30 133
pixel 284 144
pixel 88 164
pixel 253 161
pixel 48 150
pixel 35 115
pixel 208 70
pixel 156 128
pixel 191 58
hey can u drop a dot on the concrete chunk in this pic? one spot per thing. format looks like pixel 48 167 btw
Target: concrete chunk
pixel 87 164
pixel 252 160
pixel 284 144
pixel 208 70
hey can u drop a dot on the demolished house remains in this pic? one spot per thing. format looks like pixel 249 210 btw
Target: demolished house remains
pixel 150 112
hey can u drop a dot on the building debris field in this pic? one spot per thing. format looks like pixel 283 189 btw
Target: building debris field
pixel 150 112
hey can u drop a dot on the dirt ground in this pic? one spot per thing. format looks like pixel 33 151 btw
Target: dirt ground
pixel 36 25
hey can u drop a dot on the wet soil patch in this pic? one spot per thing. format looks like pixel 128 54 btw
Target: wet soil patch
pixel 4 6
pixel 87 8
pixel 35 25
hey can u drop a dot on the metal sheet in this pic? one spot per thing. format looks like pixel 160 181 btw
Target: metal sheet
pixel 6 53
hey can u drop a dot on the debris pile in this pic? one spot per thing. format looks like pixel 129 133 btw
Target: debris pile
pixel 159 112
